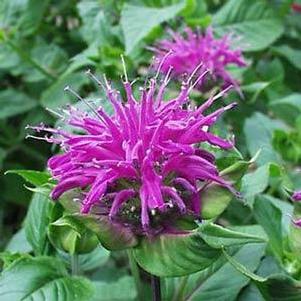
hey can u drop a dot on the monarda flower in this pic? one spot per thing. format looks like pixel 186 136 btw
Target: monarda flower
pixel 182 53
pixel 145 166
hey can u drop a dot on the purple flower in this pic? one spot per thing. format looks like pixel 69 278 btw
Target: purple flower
pixel 183 53
pixel 143 167
pixel 297 196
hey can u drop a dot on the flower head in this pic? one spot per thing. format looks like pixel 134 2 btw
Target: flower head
pixel 145 165
pixel 297 195
pixel 183 53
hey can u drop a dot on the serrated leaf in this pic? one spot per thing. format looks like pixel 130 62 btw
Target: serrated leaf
pixel 138 21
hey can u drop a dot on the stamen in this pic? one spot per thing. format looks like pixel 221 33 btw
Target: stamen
pixel 223 92
pixel 107 82
pixel 196 69
pixel 162 62
pixel 124 69
pixel 94 78
pixel 197 80
pixel 68 89
pixel 167 77
pixel 55 113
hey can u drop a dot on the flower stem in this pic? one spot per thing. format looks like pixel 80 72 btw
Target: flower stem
pixel 135 273
pixel 74 264
pixel 180 291
pixel 156 288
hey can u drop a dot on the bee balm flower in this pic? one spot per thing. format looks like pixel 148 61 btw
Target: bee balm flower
pixel 297 196
pixel 183 53
pixel 145 165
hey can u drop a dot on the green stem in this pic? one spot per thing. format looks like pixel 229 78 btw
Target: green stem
pixel 156 288
pixel 28 59
pixel 74 264
pixel 135 273
pixel 178 296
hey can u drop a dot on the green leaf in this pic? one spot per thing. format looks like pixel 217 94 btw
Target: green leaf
pixel 9 258
pixel 90 261
pixel 226 283
pixel 294 231
pixel 33 15
pixel 55 96
pixel 287 108
pixel 258 130
pixel 70 234
pixel 214 200
pixel 269 217
pixel 218 237
pixel 95 27
pixel 13 103
pixel 138 21
pixel 82 59
pixel 36 223
pixel 121 290
pixel 50 57
pixel 286 211
pixel 275 287
pixel 288 144
pixel 241 268
pixel 254 183
pixel 96 258
pixel 25 15
pixel 19 243
pixel 291 54
pixel 256 24
pixel 172 255
pixel 255 88
pixel 42 279
pixel 34 177
pixel 111 235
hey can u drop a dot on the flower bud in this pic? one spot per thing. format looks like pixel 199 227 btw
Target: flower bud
pixel 71 235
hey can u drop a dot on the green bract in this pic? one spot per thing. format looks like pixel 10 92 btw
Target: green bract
pixel 71 235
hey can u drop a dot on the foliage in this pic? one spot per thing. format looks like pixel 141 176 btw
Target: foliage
pixel 251 252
